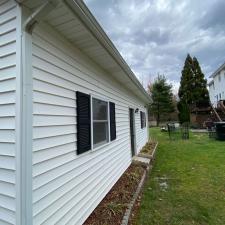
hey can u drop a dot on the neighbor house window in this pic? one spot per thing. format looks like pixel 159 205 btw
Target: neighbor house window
pixel 100 122
pixel 96 122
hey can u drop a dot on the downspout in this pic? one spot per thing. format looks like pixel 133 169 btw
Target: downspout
pixel 38 15
pixel 26 89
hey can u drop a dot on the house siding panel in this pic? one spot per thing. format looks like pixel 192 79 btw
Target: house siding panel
pixel 67 186
pixel 7 112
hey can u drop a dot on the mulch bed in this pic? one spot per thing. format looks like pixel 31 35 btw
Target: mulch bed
pixel 135 210
pixel 148 148
pixel 112 208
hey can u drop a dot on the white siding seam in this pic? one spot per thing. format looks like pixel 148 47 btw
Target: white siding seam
pixel 9 2
pixel 86 167
pixel 98 84
pixel 58 135
pixel 3 2
pixel 40 150
pixel 49 93
pixel 7 43
pixel 107 182
pixel 67 186
pixel 103 193
pixel 7 31
pixel 8 9
pixel 7 67
pixel 73 179
pixel 71 65
pixel 6 55
pixel 7 113
pixel 88 162
pixel 75 60
pixel 71 56
pixel 54 115
pixel 69 160
pixel 51 104
pixel 82 189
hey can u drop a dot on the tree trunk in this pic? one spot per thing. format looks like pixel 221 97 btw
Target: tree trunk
pixel 158 117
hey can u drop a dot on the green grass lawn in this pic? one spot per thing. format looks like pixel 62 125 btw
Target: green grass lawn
pixel 186 184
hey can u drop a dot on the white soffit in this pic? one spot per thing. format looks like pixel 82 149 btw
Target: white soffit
pixel 75 22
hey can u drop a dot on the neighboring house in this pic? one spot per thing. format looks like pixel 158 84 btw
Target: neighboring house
pixel 217 85
pixel 72 113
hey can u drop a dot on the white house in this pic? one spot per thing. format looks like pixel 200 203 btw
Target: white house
pixel 72 113
pixel 217 85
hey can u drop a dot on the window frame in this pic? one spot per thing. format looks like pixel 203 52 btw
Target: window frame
pixel 92 122
pixel 143 119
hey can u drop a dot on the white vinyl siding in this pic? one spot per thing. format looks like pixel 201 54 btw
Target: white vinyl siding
pixel 7 112
pixel 67 186
pixel 217 90
pixel 141 134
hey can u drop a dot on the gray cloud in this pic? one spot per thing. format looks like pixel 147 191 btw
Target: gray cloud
pixel 214 18
pixel 154 36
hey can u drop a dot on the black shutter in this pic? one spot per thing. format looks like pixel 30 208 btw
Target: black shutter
pixel 144 121
pixel 141 117
pixel 83 123
pixel 112 121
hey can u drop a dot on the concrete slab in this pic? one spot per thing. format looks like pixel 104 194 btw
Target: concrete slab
pixel 142 159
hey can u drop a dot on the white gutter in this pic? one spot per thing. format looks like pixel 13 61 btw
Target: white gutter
pixel 38 15
pixel 83 13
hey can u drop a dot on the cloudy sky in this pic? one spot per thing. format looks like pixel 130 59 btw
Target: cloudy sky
pixel 154 36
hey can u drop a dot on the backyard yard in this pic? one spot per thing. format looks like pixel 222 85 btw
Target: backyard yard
pixel 187 183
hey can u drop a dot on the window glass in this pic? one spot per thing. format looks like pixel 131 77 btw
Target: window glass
pixel 100 133
pixel 100 122
pixel 100 109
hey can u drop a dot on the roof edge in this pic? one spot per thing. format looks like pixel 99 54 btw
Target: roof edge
pixel 84 14
pixel 211 82
pixel 217 71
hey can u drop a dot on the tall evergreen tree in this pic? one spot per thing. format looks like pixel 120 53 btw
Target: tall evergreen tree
pixel 193 89
pixel 162 96
pixel 200 91
pixel 185 92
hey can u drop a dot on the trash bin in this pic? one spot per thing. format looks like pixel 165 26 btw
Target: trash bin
pixel 220 131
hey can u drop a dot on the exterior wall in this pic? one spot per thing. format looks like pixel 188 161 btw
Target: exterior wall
pixel 141 134
pixel 8 108
pixel 212 94
pixel 218 93
pixel 66 186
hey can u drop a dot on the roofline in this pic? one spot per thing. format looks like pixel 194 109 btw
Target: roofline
pixel 217 71
pixel 211 82
pixel 84 14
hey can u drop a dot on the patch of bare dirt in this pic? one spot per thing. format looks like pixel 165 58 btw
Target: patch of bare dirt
pixel 148 148
pixel 112 208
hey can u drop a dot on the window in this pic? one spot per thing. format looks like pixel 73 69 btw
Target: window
pixel 143 119
pixel 100 122
pixel 96 122
pixel 219 78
